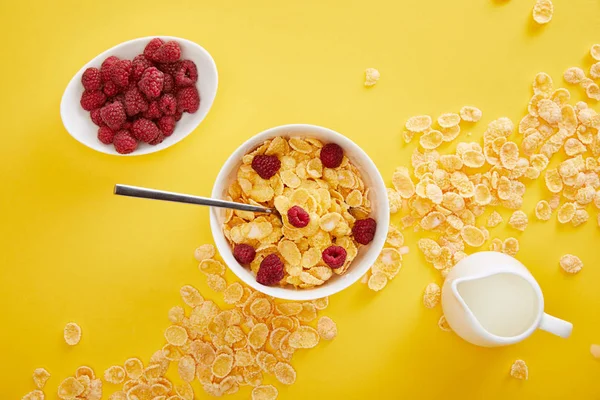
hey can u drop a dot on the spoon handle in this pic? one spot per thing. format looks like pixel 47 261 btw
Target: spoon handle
pixel 145 193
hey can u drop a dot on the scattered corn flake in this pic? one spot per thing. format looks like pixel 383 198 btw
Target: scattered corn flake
pixel 377 281
pixel 566 212
pixel 494 219
pixel 518 220
pixel 216 282
pixel 431 140
pixel 72 333
pixel 40 377
pixel 186 367
pixel 448 120
pixel 371 77
pixel 432 295
pixel 553 180
pixel 285 373
pixel 542 11
pixel 472 236
pixel 222 365
pixel 70 388
pixel 210 266
pixel 595 70
pixel 418 123
pixel 305 337
pixel 595 348
pixel 595 52
pixel 233 293
pixel 510 246
pixel 571 264
pixel 176 314
pixel 264 392
pixel 176 335
pixel 574 75
pixel 327 328
pixel 519 370
pixel 191 296
pixel 443 324
pixel 543 211
pixel 581 216
pixel 115 374
pixel 496 245
pixel 204 251
pixel 34 395
pixel 470 113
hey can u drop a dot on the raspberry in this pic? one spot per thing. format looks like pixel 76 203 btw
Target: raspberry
pixel 91 79
pixel 169 83
pixel 153 111
pixel 187 74
pixel 113 115
pixel 188 99
pixel 144 130
pixel 266 166
pixel 334 256
pixel 139 64
pixel 105 134
pixel 168 104
pixel 152 82
pixel 96 118
pixel 110 89
pixel 364 230
pixel 270 271
pixel 167 53
pixel 119 73
pixel 91 100
pixel 178 115
pixel 124 142
pixel 244 253
pixel 298 217
pixel 166 124
pixel 126 125
pixel 159 139
pixel 105 68
pixel 170 68
pixel 134 101
pixel 332 155
pixel 151 48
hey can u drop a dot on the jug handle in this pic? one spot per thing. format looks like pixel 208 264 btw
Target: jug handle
pixel 556 326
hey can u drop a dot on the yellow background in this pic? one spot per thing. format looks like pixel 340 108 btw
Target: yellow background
pixel 71 251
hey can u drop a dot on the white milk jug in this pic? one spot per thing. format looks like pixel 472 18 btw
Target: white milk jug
pixel 491 299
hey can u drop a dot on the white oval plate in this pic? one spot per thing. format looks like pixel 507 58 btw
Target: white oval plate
pixel 78 123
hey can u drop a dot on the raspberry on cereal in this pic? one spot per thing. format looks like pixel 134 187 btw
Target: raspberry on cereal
pixel 151 48
pixel 334 256
pixel 166 124
pixel 153 111
pixel 167 53
pixel 124 142
pixel 331 155
pixel 244 253
pixel 169 83
pixel 113 115
pixel 270 271
pixel 152 82
pixel 134 101
pixel 168 104
pixel 266 166
pixel 298 217
pixel 188 99
pixel 364 230
pixel 139 64
pixel 91 100
pixel 187 74
pixel 144 130
pixel 110 89
pixel 105 68
pixel 105 134
pixel 119 73
pixel 96 118
pixel 91 79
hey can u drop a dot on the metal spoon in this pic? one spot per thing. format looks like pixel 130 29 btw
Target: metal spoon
pixel 145 193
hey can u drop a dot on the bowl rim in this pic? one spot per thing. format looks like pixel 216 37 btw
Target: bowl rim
pixel 64 106
pixel 372 252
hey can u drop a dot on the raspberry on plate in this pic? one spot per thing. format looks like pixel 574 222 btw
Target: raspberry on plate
pixel 169 68
pixel 168 104
pixel 298 217
pixel 187 75
pixel 113 115
pixel 96 118
pixel 334 256
pixel 119 73
pixel 188 99
pixel 91 100
pixel 105 68
pixel 169 83
pixel 244 253
pixel 135 103
pixel 124 142
pixel 270 271
pixel 91 79
pixel 331 155
pixel 152 82
pixel 266 166
pixel 158 139
pixel 145 130
pixel 167 53
pixel 110 89
pixel 166 124
pixel 105 135
pixel 139 64
pixel 364 230
pixel 151 48
pixel 153 111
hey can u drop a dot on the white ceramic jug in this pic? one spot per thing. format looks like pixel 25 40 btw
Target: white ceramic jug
pixel 490 299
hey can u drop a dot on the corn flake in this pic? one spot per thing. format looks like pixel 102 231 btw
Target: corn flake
pixel 566 212
pixel 519 370
pixel 70 388
pixel 40 377
pixel 432 295
pixel 472 236
pixel 431 140
pixel 518 220
pixel 377 281
pixel 470 114
pixel 542 11
pixel 443 324
pixel 34 395
pixel 285 373
pixel 418 124
pixel 72 333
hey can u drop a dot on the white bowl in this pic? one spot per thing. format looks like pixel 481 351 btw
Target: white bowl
pixel 378 196
pixel 78 123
